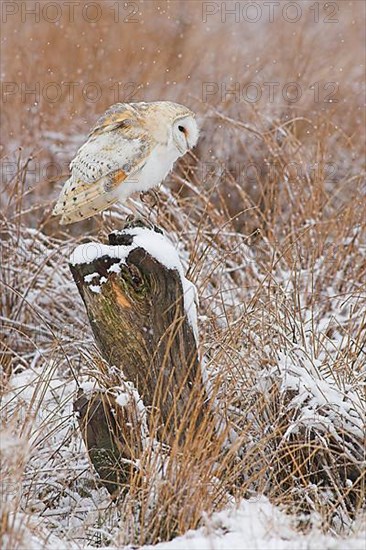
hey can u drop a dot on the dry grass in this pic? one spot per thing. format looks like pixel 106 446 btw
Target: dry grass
pixel 277 253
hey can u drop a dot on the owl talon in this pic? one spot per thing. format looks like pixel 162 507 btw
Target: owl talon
pixel 145 197
pixel 133 222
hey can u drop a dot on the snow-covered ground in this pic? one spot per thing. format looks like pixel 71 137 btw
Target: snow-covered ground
pixel 50 493
pixel 252 525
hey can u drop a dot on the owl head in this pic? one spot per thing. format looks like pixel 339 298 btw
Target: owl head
pixel 184 130
pixel 171 124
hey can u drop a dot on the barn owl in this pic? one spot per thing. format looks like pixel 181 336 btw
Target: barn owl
pixel 132 147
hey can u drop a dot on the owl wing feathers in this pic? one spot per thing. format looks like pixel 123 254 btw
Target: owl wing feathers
pixel 106 153
pixel 120 115
pixel 115 151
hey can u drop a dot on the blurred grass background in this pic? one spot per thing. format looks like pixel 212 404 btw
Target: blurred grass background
pixel 150 50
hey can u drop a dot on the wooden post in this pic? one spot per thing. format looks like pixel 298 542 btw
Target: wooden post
pixel 137 311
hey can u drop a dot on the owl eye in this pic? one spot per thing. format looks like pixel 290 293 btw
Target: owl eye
pixel 182 129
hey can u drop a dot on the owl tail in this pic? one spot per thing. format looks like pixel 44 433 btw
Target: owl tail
pixel 80 201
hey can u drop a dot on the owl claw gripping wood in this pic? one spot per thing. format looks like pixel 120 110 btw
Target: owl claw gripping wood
pixel 132 148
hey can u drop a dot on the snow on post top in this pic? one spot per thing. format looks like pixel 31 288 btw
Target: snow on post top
pixel 155 244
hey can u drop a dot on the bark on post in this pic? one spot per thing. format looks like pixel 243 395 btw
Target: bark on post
pixel 137 313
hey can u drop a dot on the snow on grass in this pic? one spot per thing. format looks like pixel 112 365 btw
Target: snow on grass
pixel 58 487
pixel 257 525
pixel 316 393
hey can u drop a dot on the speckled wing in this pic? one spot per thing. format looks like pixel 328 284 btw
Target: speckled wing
pixel 115 151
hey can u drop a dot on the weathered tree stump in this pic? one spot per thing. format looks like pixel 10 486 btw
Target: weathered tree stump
pixel 101 433
pixel 142 314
